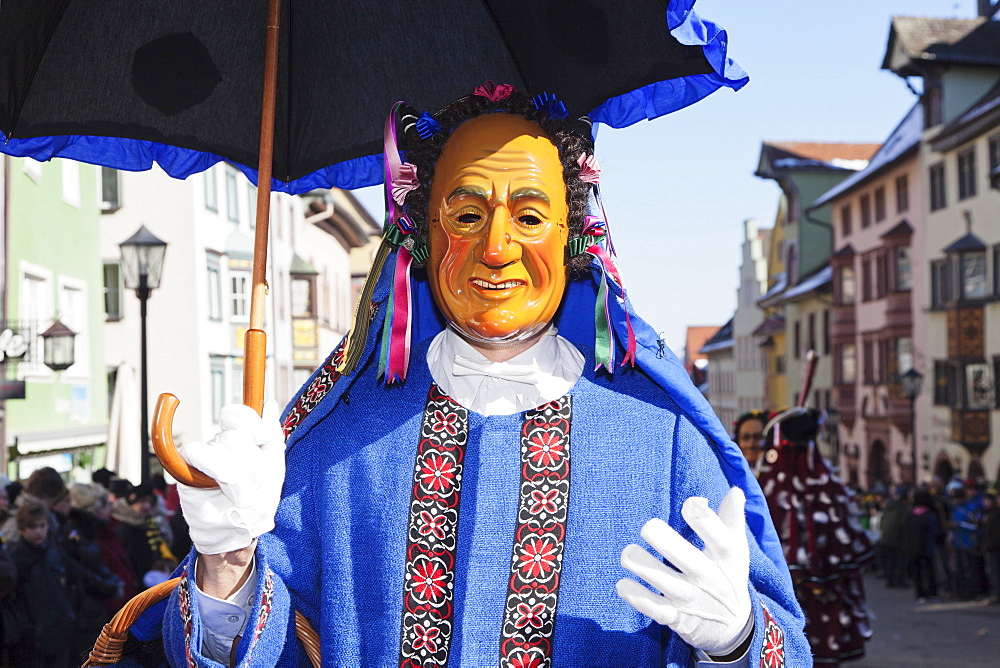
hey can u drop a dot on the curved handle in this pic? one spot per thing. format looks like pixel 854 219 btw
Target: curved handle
pixel 163 445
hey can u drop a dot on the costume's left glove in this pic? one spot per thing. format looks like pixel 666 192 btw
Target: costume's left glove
pixel 706 601
pixel 247 459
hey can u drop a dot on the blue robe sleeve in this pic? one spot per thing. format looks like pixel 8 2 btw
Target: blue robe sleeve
pixel 268 638
pixel 779 639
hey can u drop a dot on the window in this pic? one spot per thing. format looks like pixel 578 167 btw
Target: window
pixel 232 203
pixel 302 298
pixel 797 340
pixel 252 205
pixel 112 290
pixel 994 153
pixel 941 284
pixel 964 385
pixel 71 182
pixel 779 365
pixel 237 383
pixel 880 204
pixel 936 177
pixel 218 382
pixel 848 363
pixel 902 193
pixel 238 285
pixel 996 271
pixel 904 354
pixel 73 314
pixel 902 280
pixel 848 286
pixel 868 371
pixel 881 272
pixel 111 190
pixel 967 173
pixel 866 210
pixel 33 168
pixel 214 288
pixel 811 332
pixel 826 331
pixel 973 275
pixel 35 313
pixel 944 383
pixel 211 194
pixel 845 220
pixel 866 280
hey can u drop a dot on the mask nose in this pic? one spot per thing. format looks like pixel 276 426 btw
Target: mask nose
pixel 500 249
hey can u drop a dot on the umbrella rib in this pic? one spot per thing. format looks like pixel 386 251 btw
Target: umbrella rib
pixel 34 70
pixel 503 36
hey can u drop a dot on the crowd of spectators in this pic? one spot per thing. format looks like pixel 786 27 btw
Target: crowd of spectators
pixel 73 555
pixel 943 540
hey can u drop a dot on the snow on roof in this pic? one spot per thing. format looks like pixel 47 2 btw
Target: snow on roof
pixel 904 137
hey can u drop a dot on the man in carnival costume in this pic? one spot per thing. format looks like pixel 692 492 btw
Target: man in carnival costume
pixel 473 499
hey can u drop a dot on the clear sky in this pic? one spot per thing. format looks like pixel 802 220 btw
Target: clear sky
pixel 677 189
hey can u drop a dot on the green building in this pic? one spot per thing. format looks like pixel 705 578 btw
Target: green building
pixel 53 271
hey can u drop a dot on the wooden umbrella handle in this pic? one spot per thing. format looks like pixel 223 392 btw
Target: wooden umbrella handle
pixel 254 353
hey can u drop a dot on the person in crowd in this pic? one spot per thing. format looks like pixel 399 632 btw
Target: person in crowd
pixel 748 433
pixel 91 595
pixel 890 546
pixel 921 534
pixel 102 477
pixel 139 531
pixel 47 487
pixel 91 516
pixel 159 572
pixel 966 521
pixel 47 580
pixel 991 543
pixel 14 623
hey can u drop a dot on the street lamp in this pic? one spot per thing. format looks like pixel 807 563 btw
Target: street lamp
pixel 912 381
pixel 58 351
pixel 142 266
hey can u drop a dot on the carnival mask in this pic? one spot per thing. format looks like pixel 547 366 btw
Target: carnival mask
pixel 498 229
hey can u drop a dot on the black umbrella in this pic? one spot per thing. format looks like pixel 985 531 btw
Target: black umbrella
pixel 188 75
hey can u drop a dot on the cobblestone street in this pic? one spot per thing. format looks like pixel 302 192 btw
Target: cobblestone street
pixel 946 634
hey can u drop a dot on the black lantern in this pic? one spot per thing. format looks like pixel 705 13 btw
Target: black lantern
pixel 912 381
pixel 142 266
pixel 59 351
pixel 142 261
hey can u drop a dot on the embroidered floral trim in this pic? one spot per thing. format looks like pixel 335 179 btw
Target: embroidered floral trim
pixel 537 555
pixel 317 390
pixel 266 600
pixel 772 652
pixel 425 637
pixel 184 603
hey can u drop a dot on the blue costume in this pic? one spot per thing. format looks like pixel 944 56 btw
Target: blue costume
pixel 639 442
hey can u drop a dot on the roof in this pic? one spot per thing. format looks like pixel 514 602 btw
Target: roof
pixel 980 117
pixel 915 41
pixel 902 141
pixel 780 157
pixel 902 229
pixel 969 242
pixel 846 251
pixel 720 340
pixel 809 284
pixel 774 323
pixel 779 286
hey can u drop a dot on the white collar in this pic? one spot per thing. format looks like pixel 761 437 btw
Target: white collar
pixel 544 372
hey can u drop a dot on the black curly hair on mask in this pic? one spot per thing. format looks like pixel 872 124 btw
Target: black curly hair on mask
pixel 571 138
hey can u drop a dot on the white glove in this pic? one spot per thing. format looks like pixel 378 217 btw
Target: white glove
pixel 707 603
pixel 247 459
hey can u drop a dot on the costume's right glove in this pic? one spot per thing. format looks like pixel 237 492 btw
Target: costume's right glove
pixel 247 459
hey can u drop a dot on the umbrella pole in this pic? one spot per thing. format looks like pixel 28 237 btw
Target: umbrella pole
pixel 255 341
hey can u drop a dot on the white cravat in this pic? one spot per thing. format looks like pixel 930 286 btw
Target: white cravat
pixel 544 372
